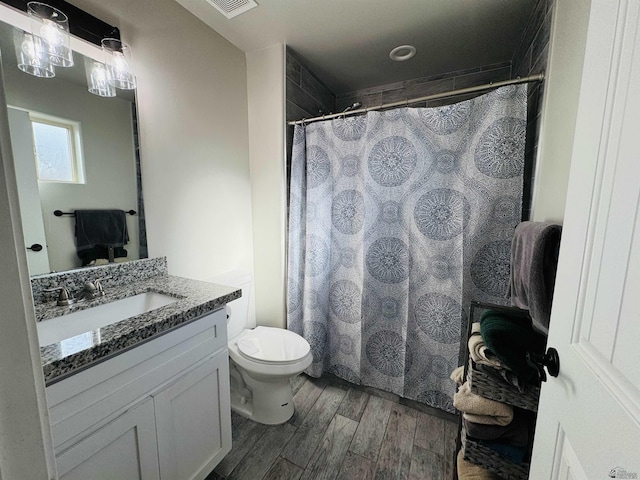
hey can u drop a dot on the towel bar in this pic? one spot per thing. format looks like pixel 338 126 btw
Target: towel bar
pixel 59 213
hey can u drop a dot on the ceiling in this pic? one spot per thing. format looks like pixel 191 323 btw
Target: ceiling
pixel 346 43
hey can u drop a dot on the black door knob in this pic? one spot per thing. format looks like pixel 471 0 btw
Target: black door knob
pixel 36 247
pixel 550 360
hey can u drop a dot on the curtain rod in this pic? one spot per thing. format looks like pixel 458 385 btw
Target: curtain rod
pixel 531 78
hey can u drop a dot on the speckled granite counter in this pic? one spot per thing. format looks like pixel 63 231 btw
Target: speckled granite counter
pixel 196 298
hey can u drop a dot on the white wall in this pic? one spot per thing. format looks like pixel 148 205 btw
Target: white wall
pixel 192 108
pixel 266 93
pixel 109 161
pixel 562 88
pixel 26 447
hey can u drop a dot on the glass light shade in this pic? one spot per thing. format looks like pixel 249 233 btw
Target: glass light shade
pixel 99 78
pixel 118 59
pixel 52 26
pixel 32 56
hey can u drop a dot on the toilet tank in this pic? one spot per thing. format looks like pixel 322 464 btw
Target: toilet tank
pixel 238 311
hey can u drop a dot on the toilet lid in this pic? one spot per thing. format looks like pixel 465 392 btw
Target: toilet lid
pixel 274 345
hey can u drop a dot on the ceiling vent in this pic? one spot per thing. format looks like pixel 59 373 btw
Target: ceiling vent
pixel 233 8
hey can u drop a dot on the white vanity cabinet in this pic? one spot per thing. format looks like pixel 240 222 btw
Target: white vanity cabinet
pixel 160 410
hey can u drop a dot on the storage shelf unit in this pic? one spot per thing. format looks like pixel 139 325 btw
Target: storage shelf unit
pixel 490 387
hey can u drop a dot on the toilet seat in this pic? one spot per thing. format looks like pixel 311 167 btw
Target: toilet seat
pixel 273 346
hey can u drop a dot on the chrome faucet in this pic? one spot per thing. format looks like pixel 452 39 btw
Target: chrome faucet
pixel 91 290
pixel 64 297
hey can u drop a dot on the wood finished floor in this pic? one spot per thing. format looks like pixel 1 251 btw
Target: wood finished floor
pixel 343 432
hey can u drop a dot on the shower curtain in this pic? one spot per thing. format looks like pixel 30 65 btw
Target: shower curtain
pixel 398 219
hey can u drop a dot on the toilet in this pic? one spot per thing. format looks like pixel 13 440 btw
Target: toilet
pixel 261 360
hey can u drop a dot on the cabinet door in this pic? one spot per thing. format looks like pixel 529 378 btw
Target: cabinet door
pixel 125 448
pixel 193 421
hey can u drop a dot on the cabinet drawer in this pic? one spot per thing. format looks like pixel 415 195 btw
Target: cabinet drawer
pixel 88 397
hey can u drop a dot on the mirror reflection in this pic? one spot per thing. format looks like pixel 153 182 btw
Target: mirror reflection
pixel 72 151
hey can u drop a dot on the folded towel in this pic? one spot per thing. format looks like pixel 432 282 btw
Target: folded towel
pixel 105 228
pixel 458 375
pixel 471 471
pixel 479 409
pixel 478 350
pixel 510 336
pixel 534 260
pixel 516 433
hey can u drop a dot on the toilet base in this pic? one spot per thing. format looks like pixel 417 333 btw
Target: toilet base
pixel 270 403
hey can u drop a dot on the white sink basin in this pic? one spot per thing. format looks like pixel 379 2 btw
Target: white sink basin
pixel 57 329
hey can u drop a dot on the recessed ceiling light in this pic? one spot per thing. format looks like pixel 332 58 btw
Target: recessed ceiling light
pixel 402 53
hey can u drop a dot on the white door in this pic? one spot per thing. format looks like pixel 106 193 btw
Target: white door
pixel 124 449
pixel 28 194
pixel 193 421
pixel 589 416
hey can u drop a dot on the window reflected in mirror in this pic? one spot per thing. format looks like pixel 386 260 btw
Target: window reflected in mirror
pixel 57 145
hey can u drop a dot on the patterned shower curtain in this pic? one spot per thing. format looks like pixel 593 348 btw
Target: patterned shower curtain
pixel 398 219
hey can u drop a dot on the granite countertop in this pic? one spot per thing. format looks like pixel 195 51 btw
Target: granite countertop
pixel 195 298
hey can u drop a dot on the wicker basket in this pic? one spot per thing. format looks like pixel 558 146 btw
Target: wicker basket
pixel 489 387
pixel 475 452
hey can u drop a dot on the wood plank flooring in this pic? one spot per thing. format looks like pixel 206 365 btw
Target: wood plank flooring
pixel 341 431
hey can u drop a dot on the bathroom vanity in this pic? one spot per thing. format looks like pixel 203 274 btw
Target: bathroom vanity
pixel 147 396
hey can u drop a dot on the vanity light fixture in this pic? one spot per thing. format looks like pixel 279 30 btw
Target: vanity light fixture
pixel 99 79
pixel 32 56
pixel 118 61
pixel 51 26
pixel 47 45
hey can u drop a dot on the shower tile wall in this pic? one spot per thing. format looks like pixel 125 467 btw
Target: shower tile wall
pixel 419 87
pixel 306 97
pixel 530 58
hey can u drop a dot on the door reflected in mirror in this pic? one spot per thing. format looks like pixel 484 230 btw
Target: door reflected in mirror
pixel 72 150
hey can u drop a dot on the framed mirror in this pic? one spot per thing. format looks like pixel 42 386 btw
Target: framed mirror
pixel 59 115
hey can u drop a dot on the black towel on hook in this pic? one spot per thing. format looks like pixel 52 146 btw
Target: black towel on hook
pixel 104 228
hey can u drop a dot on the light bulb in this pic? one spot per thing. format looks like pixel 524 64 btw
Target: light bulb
pixel 120 64
pixel 99 79
pixel 51 34
pixel 32 56
pixel 28 48
pixel 99 76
